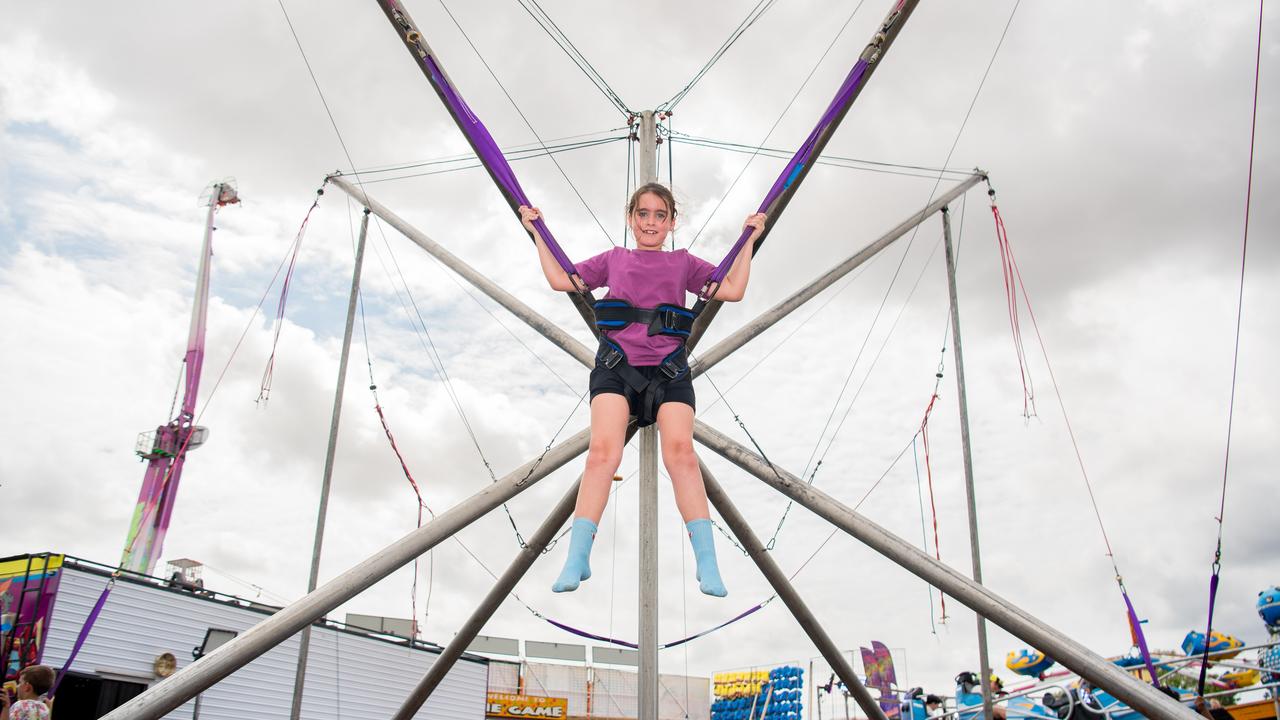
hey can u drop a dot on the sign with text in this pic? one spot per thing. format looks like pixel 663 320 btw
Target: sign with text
pixel 503 705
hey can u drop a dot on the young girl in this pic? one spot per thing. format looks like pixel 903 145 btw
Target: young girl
pixel 631 355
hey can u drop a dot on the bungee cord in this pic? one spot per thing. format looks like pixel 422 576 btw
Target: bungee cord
pixel 1235 357
pixel 527 123
pixel 776 122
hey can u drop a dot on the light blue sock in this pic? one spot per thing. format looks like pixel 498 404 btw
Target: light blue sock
pixel 576 565
pixel 704 551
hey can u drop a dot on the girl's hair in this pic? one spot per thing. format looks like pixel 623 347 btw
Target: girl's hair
pixel 663 193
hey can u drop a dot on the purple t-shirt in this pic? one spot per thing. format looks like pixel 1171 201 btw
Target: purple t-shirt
pixel 645 278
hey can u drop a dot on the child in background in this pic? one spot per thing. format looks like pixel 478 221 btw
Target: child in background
pixel 33 682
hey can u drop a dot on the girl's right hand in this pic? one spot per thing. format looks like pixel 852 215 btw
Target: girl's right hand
pixel 528 215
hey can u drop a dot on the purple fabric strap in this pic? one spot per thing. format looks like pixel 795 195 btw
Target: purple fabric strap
pixel 674 643
pixel 489 154
pixel 802 159
pixel 1208 631
pixel 84 634
pixel 1142 639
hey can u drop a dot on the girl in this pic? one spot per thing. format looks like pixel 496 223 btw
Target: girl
pixel 636 368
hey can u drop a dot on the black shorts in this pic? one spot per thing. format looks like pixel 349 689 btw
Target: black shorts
pixel 604 380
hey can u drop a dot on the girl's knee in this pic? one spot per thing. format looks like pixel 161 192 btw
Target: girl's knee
pixel 679 452
pixel 604 454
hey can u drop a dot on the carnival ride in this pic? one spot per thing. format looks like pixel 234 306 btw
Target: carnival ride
pixel 167 450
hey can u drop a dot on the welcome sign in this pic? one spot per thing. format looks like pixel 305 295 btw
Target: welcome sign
pixel 503 705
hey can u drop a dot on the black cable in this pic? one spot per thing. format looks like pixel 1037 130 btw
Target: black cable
pixel 830 159
pixel 777 121
pixel 756 13
pixel 526 120
pixel 576 56
pixel 516 151
pixel 476 163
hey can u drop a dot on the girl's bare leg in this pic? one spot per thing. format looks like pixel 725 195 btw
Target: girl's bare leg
pixel 609 414
pixel 608 431
pixel 675 425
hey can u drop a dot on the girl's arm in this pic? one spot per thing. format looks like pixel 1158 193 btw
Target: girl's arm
pixel 557 278
pixel 734 286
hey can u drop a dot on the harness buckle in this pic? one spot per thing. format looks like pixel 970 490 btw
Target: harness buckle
pixel 674 365
pixel 609 356
pixel 670 320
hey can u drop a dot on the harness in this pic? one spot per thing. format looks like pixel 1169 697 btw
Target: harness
pixel 666 319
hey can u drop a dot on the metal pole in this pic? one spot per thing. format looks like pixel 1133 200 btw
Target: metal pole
pixel 872 55
pixel 524 560
pixel 433 70
pixel 1140 696
pixel 304 645
pixel 782 586
pixel 976 555
pixel 197 677
pixel 545 327
pixel 705 361
pixel 647 690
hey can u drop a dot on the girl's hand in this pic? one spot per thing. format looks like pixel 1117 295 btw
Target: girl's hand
pixel 757 223
pixel 528 215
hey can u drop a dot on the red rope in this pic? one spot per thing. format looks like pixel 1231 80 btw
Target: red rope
pixel 422 504
pixel 1009 270
pixel 933 507
pixel 264 390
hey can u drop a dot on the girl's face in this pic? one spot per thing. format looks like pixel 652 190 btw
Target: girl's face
pixel 650 222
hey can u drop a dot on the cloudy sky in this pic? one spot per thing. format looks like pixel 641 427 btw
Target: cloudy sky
pixel 1116 135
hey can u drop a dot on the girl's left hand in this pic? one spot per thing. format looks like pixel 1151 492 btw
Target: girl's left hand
pixel 757 223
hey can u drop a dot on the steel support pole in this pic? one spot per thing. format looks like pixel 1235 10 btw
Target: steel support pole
pixel 438 77
pixel 304 645
pixel 784 589
pixel 873 54
pixel 647 689
pixel 705 361
pixel 974 551
pixel 545 327
pixel 524 560
pixel 1140 696
pixel 197 677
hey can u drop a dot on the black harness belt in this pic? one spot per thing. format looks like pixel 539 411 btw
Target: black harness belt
pixel 672 320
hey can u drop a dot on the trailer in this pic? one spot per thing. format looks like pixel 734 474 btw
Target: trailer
pixel 148 628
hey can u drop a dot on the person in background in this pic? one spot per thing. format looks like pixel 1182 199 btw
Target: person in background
pixel 33 683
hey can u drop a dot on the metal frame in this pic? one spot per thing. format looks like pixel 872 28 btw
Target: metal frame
pixel 197 677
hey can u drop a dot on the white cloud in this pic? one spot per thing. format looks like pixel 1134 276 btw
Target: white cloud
pixel 1120 190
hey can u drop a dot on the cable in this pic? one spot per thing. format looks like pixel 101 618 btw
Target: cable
pixel 777 121
pixel 575 55
pixel 528 124
pixel 1235 357
pixel 473 162
pixel 829 160
pixel 756 13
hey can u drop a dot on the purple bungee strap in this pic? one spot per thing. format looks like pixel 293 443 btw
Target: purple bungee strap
pixel 492 157
pixel 84 634
pixel 634 646
pixel 1208 631
pixel 1142 639
pixel 803 157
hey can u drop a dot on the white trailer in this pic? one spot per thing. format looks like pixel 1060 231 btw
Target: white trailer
pixel 350 673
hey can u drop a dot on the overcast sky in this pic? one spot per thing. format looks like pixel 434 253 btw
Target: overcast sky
pixel 1116 135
